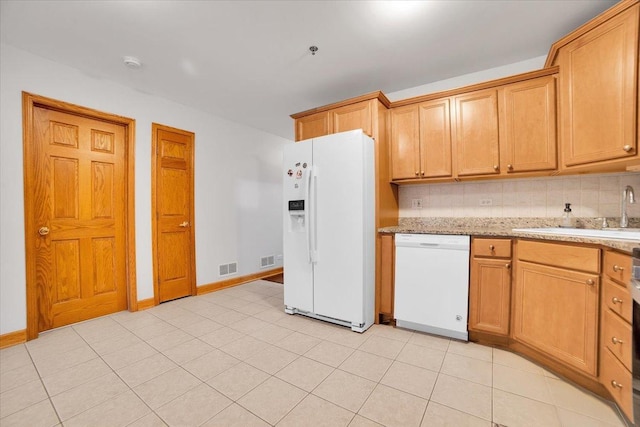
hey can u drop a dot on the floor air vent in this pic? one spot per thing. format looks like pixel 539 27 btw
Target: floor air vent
pixel 267 261
pixel 227 269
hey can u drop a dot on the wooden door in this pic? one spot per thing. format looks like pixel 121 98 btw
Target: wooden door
pixel 173 232
pixel 405 143
pixel 490 295
pixel 556 311
pixel 435 139
pixel 76 214
pixel 476 133
pixel 598 92
pixel 312 126
pixel 354 116
pixel 528 124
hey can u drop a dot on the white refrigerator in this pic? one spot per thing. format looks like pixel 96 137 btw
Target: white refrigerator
pixel 329 229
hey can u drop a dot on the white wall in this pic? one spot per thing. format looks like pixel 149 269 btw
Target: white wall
pixel 469 79
pixel 238 200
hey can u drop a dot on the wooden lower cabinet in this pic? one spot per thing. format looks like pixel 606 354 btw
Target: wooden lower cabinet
pixel 556 308
pixel 385 296
pixel 490 286
pixel 616 331
pixel 618 382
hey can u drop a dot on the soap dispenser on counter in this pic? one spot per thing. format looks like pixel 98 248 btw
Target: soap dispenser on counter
pixel 568 220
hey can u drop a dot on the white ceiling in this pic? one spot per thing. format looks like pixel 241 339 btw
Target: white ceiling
pixel 248 61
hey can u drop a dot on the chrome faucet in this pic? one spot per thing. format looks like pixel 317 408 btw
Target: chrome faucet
pixel 624 218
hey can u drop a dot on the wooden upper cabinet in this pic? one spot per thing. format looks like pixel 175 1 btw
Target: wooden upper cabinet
pixel 421 141
pixel 354 116
pixel 405 143
pixel 476 133
pixel 598 92
pixel 314 125
pixel 528 126
pixel 435 139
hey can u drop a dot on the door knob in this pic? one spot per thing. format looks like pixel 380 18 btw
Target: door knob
pixel 184 224
pixel 43 231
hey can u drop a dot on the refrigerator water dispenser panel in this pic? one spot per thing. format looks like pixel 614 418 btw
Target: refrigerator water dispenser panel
pixel 296 216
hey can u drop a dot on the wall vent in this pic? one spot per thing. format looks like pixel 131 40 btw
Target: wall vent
pixel 227 269
pixel 267 261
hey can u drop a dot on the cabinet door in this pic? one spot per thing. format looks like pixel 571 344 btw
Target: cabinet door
pixel 490 295
pixel 350 117
pixel 387 259
pixel 435 139
pixel 313 126
pixel 405 143
pixel 528 125
pixel 556 311
pixel 618 381
pixel 598 93
pixel 476 133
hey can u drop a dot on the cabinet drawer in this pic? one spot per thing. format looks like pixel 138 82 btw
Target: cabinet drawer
pixel 617 380
pixel 493 248
pixel 616 336
pixel 617 266
pixel 582 258
pixel 617 299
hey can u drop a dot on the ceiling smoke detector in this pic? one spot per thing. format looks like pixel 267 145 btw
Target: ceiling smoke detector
pixel 132 62
pixel 313 49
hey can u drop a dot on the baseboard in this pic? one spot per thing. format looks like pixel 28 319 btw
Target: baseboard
pixel 146 303
pixel 13 338
pixel 216 286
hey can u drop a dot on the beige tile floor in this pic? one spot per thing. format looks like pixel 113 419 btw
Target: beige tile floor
pixel 234 358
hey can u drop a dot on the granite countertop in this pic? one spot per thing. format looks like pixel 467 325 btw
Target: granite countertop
pixel 503 227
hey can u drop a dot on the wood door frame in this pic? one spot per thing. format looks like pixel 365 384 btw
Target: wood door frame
pixel 155 127
pixel 29 102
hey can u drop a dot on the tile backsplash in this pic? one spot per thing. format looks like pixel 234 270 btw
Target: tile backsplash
pixel 590 196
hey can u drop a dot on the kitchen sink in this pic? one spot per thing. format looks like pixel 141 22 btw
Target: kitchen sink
pixel 607 233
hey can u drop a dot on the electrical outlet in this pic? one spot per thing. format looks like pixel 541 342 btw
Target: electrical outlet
pixel 486 202
pixel 416 203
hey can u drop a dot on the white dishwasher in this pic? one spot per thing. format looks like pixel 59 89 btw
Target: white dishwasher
pixel 432 284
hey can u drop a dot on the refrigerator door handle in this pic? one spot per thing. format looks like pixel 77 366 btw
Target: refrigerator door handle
pixel 313 219
pixel 307 197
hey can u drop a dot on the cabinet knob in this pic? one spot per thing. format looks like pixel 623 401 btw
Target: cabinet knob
pixel 496 167
pixel 43 231
pixel 627 148
pixel 616 340
pixel 616 300
pixel 616 384
pixel 590 282
pixel 617 268
pixel 417 173
pixel 507 266
pixel 510 167
pixel 422 173
pixel 492 248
